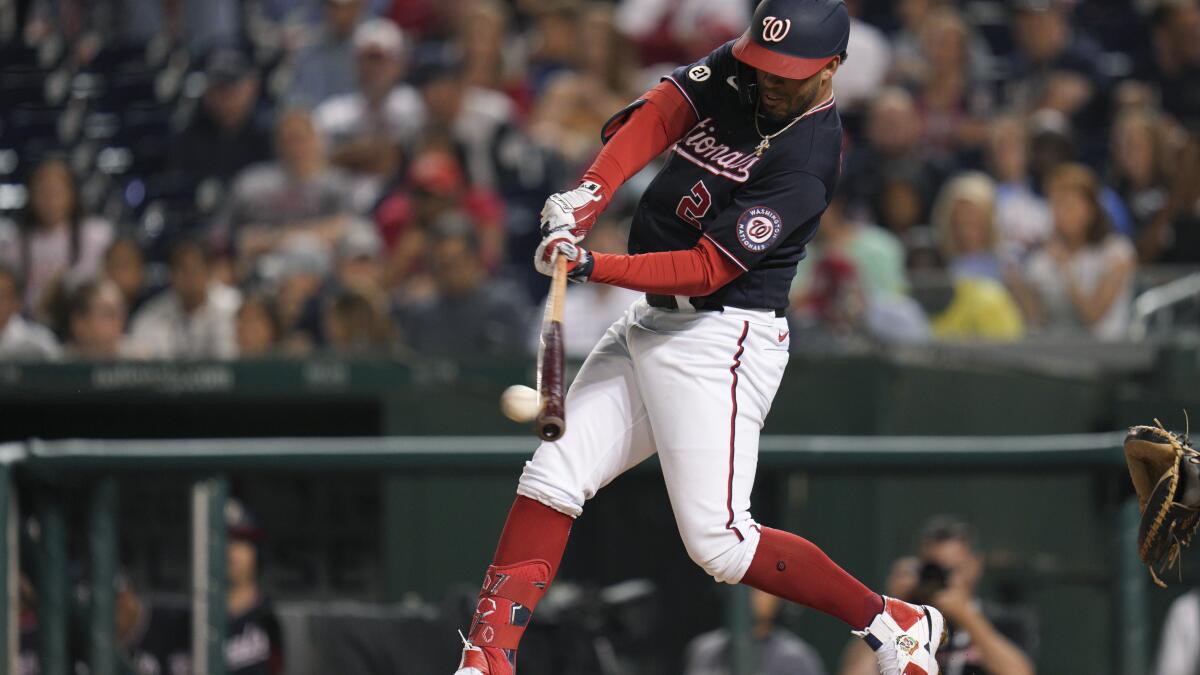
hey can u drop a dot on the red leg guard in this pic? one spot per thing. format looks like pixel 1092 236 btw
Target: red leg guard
pixel 526 562
pixel 794 569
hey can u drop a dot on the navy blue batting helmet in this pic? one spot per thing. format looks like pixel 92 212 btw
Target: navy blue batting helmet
pixel 794 38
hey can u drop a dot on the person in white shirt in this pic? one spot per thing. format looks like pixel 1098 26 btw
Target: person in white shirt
pixel 53 236
pixel 1081 281
pixel 1179 651
pixel 20 339
pixel 192 319
pixel 367 128
pixel 863 74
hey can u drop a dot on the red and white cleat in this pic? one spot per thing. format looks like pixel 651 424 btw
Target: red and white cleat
pixel 905 638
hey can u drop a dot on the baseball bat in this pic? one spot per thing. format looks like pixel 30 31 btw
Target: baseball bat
pixel 552 417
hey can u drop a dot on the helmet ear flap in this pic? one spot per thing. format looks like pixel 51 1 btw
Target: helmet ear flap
pixel 747 82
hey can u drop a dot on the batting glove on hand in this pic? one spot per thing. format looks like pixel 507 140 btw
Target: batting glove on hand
pixel 580 261
pixel 572 212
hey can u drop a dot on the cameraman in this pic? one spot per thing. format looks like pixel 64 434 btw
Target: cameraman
pixel 984 639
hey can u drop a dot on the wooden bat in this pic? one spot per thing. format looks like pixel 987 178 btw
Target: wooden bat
pixel 552 417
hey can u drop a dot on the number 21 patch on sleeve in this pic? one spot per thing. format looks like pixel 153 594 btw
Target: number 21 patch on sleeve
pixel 757 228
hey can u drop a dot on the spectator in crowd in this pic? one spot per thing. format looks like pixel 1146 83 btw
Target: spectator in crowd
pixel 950 96
pixel 53 236
pixel 298 272
pixel 436 189
pixel 475 118
pixel 965 228
pixel 979 309
pixel 229 130
pixel 591 308
pixel 258 326
pixel 1022 215
pixel 964 224
pixel 1179 646
pixel 1138 170
pixel 254 641
pixel 20 339
pixel 985 638
pixel 680 31
pixel 1052 139
pixel 890 148
pixel 869 58
pixel 490 60
pixel 297 195
pixel 1176 39
pixel 1081 281
pixel 191 319
pixel 367 128
pixel 325 67
pixel 853 285
pixel 356 323
pixel 876 253
pixel 467 315
pixel 96 321
pixel 779 651
pixel 606 58
pixel 1055 68
pixel 125 264
pixel 566 118
pixel 553 39
pixel 909 60
pixel 902 203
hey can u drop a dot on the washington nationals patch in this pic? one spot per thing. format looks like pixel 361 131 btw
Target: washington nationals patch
pixel 757 228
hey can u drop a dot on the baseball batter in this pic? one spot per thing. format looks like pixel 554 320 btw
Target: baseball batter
pixel 690 371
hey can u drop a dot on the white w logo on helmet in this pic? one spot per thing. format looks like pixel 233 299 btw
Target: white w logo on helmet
pixel 774 29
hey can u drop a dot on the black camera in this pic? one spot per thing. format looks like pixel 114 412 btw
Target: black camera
pixel 932 578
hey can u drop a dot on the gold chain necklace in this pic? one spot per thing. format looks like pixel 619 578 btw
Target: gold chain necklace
pixel 765 143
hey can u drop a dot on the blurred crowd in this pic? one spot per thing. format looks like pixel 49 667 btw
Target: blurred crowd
pixel 252 178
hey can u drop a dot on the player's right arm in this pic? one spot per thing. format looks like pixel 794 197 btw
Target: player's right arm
pixel 633 137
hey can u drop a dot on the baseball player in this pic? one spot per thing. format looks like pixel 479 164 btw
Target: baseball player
pixel 690 371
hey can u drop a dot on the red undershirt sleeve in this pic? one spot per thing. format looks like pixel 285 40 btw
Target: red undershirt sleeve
pixel 650 129
pixel 696 271
pixel 663 118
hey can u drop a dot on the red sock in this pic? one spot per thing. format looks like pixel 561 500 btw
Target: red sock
pixel 533 531
pixel 794 569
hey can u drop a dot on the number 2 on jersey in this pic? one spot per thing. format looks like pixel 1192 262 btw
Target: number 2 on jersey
pixel 693 207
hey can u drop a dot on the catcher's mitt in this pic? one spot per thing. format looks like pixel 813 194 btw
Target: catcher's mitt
pixel 1165 469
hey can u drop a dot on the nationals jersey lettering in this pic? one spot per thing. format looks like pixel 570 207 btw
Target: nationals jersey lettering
pixel 760 211
pixel 701 148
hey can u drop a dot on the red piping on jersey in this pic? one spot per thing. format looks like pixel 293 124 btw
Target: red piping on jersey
pixel 737 361
pixel 700 270
pixel 649 130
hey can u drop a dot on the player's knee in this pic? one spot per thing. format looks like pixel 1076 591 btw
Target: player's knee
pixel 723 555
pixel 552 493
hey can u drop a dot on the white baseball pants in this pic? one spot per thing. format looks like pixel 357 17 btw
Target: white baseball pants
pixel 694 387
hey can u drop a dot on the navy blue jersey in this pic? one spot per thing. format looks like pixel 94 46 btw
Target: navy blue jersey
pixel 760 211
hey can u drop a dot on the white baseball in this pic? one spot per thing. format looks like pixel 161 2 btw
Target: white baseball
pixel 520 403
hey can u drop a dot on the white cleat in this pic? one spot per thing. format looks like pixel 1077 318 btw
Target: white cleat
pixel 905 638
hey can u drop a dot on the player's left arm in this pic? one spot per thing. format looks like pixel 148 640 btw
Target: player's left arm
pixel 633 137
pixel 778 210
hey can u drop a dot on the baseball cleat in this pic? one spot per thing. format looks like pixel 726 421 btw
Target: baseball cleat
pixel 483 661
pixel 905 638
